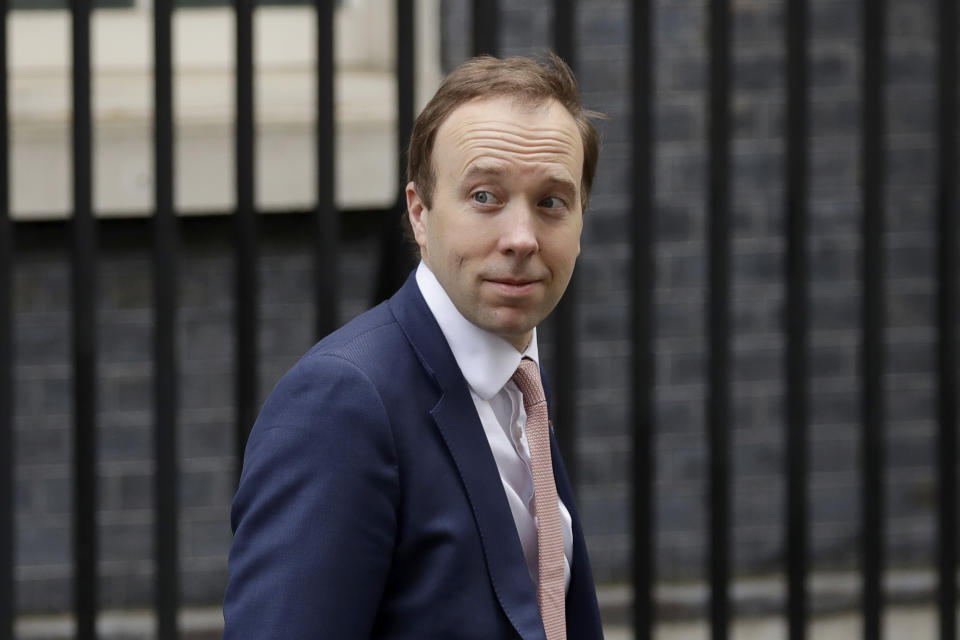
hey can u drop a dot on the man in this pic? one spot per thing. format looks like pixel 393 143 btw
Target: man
pixel 401 480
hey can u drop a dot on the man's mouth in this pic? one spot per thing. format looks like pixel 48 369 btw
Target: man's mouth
pixel 514 286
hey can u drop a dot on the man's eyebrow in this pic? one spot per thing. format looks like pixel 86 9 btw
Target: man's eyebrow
pixel 563 182
pixel 484 169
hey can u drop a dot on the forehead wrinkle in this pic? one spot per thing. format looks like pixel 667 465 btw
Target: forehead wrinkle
pixel 484 162
pixel 506 130
pixel 495 145
pixel 555 140
pixel 543 151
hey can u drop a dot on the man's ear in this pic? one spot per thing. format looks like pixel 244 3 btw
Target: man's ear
pixel 416 211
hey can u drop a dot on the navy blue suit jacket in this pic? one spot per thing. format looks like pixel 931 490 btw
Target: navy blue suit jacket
pixel 370 505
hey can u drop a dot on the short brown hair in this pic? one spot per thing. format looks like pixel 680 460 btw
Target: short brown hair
pixel 529 80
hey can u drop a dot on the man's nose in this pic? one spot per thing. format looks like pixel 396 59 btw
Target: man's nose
pixel 519 232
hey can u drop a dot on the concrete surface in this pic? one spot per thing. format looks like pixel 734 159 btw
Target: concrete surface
pixel 901 623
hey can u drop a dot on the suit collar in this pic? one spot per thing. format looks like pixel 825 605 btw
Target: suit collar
pixel 456 418
pixel 423 333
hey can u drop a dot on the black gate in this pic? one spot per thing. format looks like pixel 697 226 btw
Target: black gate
pixel 165 238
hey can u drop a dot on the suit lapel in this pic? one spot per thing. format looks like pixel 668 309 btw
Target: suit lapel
pixel 456 418
pixel 582 610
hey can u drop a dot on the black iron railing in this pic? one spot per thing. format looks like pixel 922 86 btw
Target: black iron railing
pixel 83 307
pixel 797 317
pixel 948 276
pixel 6 354
pixel 394 255
pixel 165 277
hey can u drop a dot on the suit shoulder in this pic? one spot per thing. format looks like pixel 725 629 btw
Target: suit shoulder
pixel 364 341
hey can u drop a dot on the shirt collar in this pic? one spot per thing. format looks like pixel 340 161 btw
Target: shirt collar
pixel 487 361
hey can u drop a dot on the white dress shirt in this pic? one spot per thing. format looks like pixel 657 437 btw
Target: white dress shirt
pixel 488 363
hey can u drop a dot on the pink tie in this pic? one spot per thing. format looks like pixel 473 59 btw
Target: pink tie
pixel 550 589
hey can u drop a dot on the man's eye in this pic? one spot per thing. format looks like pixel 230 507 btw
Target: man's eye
pixel 483 197
pixel 551 202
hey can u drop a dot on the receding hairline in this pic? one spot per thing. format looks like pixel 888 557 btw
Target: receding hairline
pixel 523 103
pixel 494 167
pixel 531 81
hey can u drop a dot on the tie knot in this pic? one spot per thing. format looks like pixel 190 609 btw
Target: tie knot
pixel 527 379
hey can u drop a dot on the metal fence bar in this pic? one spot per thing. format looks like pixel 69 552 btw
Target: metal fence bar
pixel 165 254
pixel 396 259
pixel 948 279
pixel 565 315
pixel 797 317
pixel 486 27
pixel 642 361
pixel 245 247
pixel 7 586
pixel 564 31
pixel 718 401
pixel 406 94
pixel 83 307
pixel 872 361
pixel 327 227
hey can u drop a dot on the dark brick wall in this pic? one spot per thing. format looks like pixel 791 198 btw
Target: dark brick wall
pixel 125 420
pixel 42 369
pixel 758 251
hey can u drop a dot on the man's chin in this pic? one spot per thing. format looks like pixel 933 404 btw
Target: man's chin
pixel 514 331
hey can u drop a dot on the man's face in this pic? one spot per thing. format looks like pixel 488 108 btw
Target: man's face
pixel 503 233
